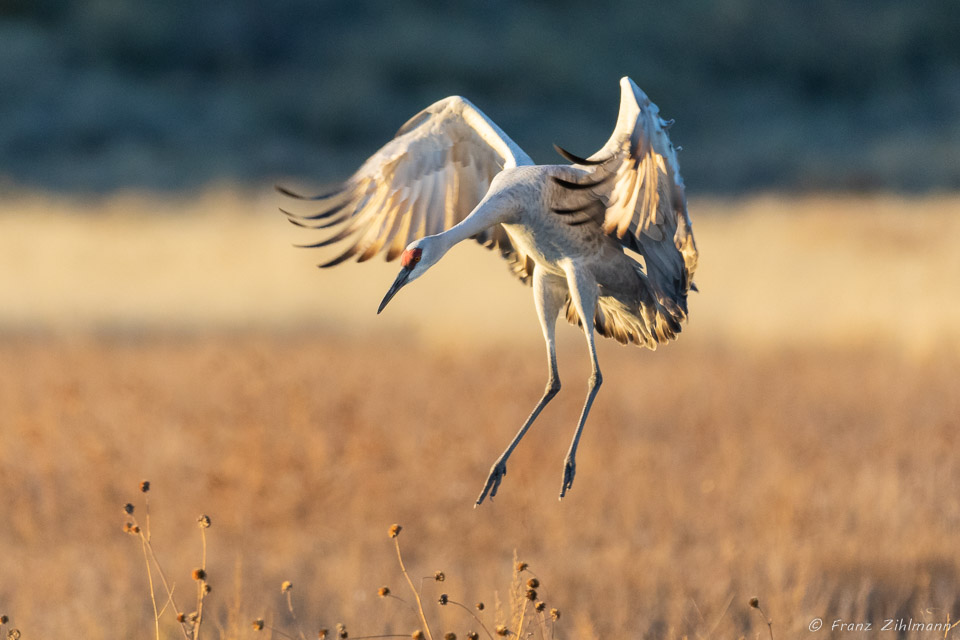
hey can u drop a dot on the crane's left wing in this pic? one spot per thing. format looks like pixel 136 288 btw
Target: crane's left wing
pixel 428 178
pixel 636 179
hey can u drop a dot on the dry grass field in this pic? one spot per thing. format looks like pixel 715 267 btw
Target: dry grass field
pixel 797 444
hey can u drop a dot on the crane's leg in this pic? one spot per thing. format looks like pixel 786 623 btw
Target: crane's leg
pixel 549 294
pixel 584 293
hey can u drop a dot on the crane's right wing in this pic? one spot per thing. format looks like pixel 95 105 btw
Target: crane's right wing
pixel 636 179
pixel 427 179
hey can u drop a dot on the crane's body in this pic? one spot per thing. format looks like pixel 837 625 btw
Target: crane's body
pixel 451 174
pixel 555 246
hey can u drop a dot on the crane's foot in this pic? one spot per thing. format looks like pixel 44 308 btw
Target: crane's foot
pixel 569 470
pixel 497 471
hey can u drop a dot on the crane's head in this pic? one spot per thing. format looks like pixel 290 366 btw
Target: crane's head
pixel 414 262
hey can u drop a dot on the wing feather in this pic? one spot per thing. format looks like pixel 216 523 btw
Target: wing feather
pixel 400 232
pixel 418 208
pixel 636 177
pixel 387 229
pixel 427 179
pixel 369 237
pixel 438 200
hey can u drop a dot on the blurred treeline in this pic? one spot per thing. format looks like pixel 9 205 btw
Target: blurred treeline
pixel 786 94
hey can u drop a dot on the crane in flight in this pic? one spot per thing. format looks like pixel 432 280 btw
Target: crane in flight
pixel 605 240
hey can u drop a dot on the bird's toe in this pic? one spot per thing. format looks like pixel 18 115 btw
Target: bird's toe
pixel 569 471
pixel 497 471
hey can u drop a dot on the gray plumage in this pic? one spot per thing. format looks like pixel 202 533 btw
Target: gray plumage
pixel 607 240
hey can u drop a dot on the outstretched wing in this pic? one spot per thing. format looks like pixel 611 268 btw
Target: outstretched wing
pixel 427 179
pixel 637 179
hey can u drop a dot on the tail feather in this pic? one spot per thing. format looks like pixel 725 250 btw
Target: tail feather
pixel 649 320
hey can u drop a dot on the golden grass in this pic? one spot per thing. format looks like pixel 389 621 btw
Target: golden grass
pixel 775 451
pixel 824 482
pixel 774 271
pixel 831 270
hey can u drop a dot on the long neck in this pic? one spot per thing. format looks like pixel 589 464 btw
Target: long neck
pixel 491 211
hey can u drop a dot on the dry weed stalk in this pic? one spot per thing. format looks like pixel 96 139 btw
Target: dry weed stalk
pixel 479 621
pixel 524 595
pixel 190 624
pixel 287 589
pixel 755 603
pixel 13 633
pixel 260 625
pixel 950 627
pixel 395 535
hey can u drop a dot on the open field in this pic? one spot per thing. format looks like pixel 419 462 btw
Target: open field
pixel 797 444
pixel 774 271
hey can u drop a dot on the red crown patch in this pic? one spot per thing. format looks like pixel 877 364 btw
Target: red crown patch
pixel 410 257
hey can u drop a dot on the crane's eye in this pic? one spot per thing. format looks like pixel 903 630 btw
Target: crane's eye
pixel 410 258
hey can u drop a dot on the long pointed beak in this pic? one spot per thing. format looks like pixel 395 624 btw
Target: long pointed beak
pixel 397 285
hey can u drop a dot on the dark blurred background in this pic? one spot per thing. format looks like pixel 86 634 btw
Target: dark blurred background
pixel 171 94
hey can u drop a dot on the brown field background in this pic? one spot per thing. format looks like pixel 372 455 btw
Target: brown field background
pixel 799 442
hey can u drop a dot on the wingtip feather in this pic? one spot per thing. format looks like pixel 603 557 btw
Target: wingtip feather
pixel 575 159
pixel 293 194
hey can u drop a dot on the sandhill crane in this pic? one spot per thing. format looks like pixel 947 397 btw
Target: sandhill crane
pixel 606 240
